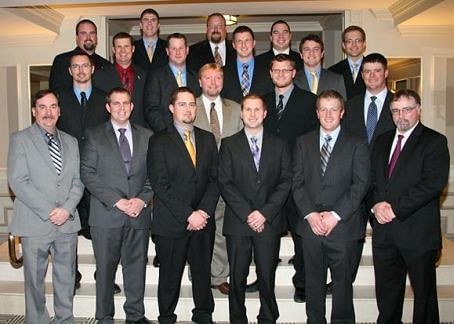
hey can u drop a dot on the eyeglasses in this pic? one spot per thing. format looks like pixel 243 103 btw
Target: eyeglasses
pixel 354 41
pixel 405 110
pixel 285 71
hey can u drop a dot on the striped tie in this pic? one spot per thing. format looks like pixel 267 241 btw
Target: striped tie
pixel 55 153
pixel 245 80
pixel 325 153
pixel 217 56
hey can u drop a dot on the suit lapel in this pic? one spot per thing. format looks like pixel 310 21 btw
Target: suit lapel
pixel 175 136
pixel 42 147
pixel 265 153
pixel 111 138
pixel 246 151
pixel 202 118
pixel 226 118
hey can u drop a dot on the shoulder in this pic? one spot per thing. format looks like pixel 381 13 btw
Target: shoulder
pixel 338 67
pixel 231 104
pixel 198 46
pixel 298 92
pixel 310 136
pixel 63 56
pixel 65 137
pixel 142 130
pixel 332 75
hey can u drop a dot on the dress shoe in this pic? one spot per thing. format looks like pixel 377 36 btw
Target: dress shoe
pixel 117 290
pixel 329 288
pixel 291 260
pixel 141 321
pixel 77 281
pixel 299 296
pixel 156 261
pixel 224 288
pixel 252 287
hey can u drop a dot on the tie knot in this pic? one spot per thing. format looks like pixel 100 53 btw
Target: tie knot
pixel 281 97
pixel 254 140
pixel 216 48
pixel 328 138
pixel 245 66
pixel 400 137
pixel 83 94
pixel 314 74
pixel 373 98
pixel 122 131
pixel 355 66
pixel 187 134
pixel 50 136
pixel 212 105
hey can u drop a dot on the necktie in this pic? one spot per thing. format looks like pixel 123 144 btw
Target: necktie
pixel 189 145
pixel 255 152
pixel 280 107
pixel 371 121
pixel 314 86
pixel 55 153
pixel 355 71
pixel 83 99
pixel 180 79
pixel 245 80
pixel 217 56
pixel 325 153
pixel 125 150
pixel 395 156
pixel 150 52
pixel 214 123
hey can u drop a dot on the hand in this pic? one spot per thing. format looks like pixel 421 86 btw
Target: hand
pixel 316 222
pixel 383 212
pixel 256 221
pixel 330 221
pixel 122 204
pixel 135 206
pixel 58 216
pixel 196 221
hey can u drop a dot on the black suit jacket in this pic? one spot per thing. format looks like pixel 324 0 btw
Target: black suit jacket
pixel 245 189
pixel 179 187
pixel 107 78
pixel 59 74
pixel 328 80
pixel 413 190
pixel 261 82
pixel 140 56
pixel 158 88
pixel 354 119
pixel 353 88
pixel 264 59
pixel 74 119
pixel 341 189
pixel 201 54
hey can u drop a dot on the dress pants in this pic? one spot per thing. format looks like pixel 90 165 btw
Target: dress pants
pixel 111 245
pixel 321 253
pixel 219 262
pixel 173 252
pixel 299 278
pixel 265 248
pixel 391 265
pixel 62 247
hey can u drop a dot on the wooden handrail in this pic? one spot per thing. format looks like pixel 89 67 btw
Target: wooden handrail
pixel 13 242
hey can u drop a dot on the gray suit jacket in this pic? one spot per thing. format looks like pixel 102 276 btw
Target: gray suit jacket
pixel 328 80
pixel 231 123
pixel 38 188
pixel 104 174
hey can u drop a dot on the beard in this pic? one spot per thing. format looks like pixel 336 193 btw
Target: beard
pixel 215 37
pixel 89 46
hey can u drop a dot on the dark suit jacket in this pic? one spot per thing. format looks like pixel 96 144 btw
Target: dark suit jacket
pixel 179 187
pixel 158 88
pixel 107 78
pixel 353 88
pixel 328 80
pixel 59 74
pixel 264 59
pixel 413 190
pixel 201 54
pixel 140 56
pixel 261 82
pixel 75 119
pixel 245 190
pixel 354 120
pixel 341 189
pixel 298 118
pixel 104 175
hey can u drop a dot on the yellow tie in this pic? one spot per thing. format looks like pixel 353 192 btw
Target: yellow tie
pixel 189 146
pixel 180 79
pixel 150 52
pixel 314 86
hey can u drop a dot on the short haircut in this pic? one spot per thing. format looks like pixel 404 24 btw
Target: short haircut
pixel 117 90
pixel 211 66
pixel 149 11
pixel 280 22
pixel 351 29
pixel 177 91
pixel 216 14
pixel 314 38
pixel 85 21
pixel 243 29
pixel 122 35
pixel 330 94
pixel 282 58
pixel 376 58
pixel 42 93
pixel 177 36
pixel 81 53
pixel 407 93
pixel 253 96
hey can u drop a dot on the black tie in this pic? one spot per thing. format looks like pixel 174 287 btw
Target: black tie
pixel 83 99
pixel 280 107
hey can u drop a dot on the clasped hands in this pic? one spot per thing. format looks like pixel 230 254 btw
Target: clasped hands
pixel 131 207
pixel 58 216
pixel 197 220
pixel 256 221
pixel 322 223
pixel 383 212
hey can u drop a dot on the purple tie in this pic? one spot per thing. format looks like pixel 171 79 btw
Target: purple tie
pixel 395 156
pixel 125 149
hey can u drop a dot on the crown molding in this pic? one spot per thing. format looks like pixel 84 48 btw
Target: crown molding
pixel 28 40
pixel 42 16
pixel 425 31
pixel 403 10
pixel 381 14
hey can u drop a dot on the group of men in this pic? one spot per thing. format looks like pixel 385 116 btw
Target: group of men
pixel 217 153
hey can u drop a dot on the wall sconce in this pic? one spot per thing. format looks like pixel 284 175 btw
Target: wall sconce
pixel 231 19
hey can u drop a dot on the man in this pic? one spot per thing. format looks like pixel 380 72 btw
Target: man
pixel 313 77
pixel 86 40
pixel 255 180
pixel 354 46
pixel 182 163
pixel 331 177
pixel 291 113
pixel 281 42
pixel 216 48
pixel 150 50
pixel 124 73
pixel 165 80
pixel 222 118
pixel 113 168
pixel 410 168
pixel 43 172
pixel 245 76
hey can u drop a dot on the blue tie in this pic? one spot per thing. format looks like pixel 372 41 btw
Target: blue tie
pixel 371 121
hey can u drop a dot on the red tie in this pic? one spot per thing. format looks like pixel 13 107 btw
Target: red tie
pixel 395 156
